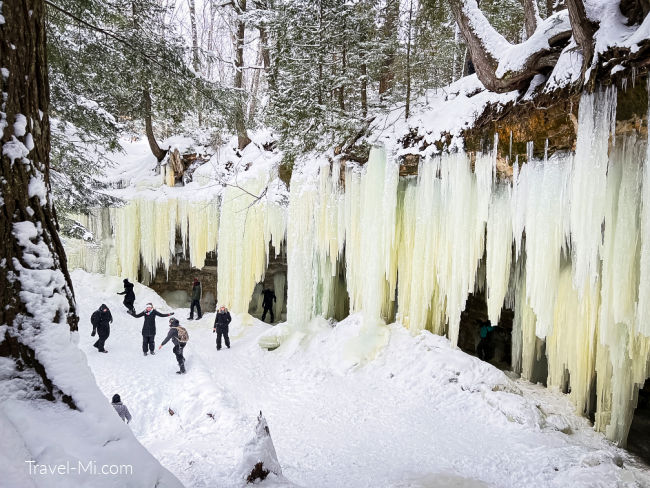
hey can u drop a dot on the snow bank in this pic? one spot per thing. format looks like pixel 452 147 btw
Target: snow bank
pixel 419 412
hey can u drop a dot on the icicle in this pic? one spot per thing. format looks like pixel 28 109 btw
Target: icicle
pixel 643 308
pixel 499 251
pixel 371 200
pixel 546 206
pixel 571 347
pixel 247 225
pixel 596 118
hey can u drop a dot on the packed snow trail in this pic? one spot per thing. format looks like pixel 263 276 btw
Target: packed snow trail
pixel 420 415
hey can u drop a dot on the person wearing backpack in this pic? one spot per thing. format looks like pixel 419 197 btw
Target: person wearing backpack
pixel 221 321
pixel 179 336
pixel 101 320
pixel 149 327
pixel 129 296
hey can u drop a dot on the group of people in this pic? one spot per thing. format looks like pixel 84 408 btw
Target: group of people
pixel 102 318
pixel 178 335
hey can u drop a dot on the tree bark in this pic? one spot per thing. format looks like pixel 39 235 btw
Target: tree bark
pixel 195 53
pixel 364 89
pixel 240 114
pixel 35 287
pixel 407 111
pixel 583 30
pixel 341 90
pixel 195 39
pixel 389 30
pixel 255 85
pixel 148 126
pixel 531 13
pixel 266 56
pixel 486 45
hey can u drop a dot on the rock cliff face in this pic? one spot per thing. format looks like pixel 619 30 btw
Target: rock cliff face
pixel 175 284
pixel 550 122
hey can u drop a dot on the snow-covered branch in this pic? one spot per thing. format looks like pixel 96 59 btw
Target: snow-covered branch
pixel 500 65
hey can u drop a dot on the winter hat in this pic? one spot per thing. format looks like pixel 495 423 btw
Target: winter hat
pixel 103 307
pixel 125 280
pixel 173 322
pixel 116 398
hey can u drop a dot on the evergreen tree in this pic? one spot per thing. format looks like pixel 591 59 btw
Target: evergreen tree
pixel 114 62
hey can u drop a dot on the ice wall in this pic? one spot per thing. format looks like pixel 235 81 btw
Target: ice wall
pixel 565 244
pixel 249 222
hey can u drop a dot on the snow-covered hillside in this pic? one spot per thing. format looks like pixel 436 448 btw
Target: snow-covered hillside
pixel 421 414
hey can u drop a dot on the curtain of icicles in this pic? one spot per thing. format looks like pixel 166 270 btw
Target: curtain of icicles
pixel 566 245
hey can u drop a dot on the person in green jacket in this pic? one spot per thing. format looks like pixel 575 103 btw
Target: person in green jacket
pixel 483 348
pixel 196 300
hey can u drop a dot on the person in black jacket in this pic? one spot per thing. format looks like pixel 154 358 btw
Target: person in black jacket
pixel 101 320
pixel 196 300
pixel 178 345
pixel 149 327
pixel 267 303
pixel 129 298
pixel 221 322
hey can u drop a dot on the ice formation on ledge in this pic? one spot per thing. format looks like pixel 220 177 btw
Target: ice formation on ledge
pixel 565 245
pixel 144 232
pixel 249 223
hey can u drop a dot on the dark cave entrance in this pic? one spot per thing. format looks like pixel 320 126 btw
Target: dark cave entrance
pixel 275 279
pixel 499 339
pixel 638 439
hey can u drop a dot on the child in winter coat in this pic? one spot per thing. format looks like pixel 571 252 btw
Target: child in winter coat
pixel 121 410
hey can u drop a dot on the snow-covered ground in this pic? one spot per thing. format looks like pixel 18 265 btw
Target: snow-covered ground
pixel 421 414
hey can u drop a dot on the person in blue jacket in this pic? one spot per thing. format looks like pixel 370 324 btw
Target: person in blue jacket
pixel 483 348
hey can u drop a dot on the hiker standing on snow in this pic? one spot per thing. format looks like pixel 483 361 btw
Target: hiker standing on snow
pixel 149 327
pixel 179 336
pixel 196 300
pixel 101 319
pixel 267 303
pixel 129 298
pixel 121 410
pixel 221 322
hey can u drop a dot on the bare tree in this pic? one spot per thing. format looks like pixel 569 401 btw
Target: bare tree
pixel 35 287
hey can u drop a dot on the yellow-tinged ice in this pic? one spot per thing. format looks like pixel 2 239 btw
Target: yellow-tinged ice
pixel 498 251
pixel 143 232
pixel 248 223
pixel 566 245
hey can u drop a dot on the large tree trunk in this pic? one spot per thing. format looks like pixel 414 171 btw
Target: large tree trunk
pixel 195 39
pixel 487 47
pixel 407 110
pixel 35 287
pixel 583 30
pixel 389 33
pixel 364 89
pixel 531 14
pixel 240 114
pixel 148 126
pixel 195 52
pixel 266 56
